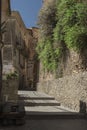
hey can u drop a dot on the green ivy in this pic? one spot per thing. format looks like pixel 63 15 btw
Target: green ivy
pixel 48 55
pixel 76 37
pixel 71 24
pixel 67 23
pixel 45 48
pixel 13 75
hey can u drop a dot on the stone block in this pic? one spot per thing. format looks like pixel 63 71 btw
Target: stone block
pixel 10 90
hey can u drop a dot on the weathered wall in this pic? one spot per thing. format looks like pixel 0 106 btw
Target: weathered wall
pixel 73 62
pixel 47 1
pixel 70 63
pixel 10 90
pixel 68 90
pixel 5 9
pixel 28 38
pixel 7 49
pixel 19 47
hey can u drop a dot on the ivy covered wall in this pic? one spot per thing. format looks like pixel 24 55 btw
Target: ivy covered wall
pixel 62 46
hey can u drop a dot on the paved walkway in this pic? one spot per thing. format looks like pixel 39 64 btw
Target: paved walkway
pixel 50 125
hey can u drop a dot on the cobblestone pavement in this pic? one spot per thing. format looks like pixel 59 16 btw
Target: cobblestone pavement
pixel 60 124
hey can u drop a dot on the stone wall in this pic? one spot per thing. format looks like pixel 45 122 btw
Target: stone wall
pixel 70 63
pixel 10 90
pixel 7 49
pixel 5 9
pixel 48 1
pixel 69 90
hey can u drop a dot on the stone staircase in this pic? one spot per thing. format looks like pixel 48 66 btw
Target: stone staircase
pixel 39 105
pixel 33 98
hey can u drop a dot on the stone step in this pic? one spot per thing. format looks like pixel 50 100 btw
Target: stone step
pixel 41 103
pixel 51 112
pixel 22 97
pixel 42 106
pixel 53 116
pixel 34 95
pixel 48 109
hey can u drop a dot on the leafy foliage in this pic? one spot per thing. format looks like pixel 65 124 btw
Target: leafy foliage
pixel 64 21
pixel 48 55
pixel 45 48
pixel 71 24
pixel 76 37
pixel 13 75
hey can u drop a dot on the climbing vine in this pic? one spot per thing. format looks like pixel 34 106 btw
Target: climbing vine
pixel 45 48
pixel 64 21
pixel 48 55
pixel 71 24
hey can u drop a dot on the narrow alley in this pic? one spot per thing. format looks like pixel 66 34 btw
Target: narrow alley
pixel 43 112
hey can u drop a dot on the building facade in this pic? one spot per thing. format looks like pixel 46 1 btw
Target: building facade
pixel 19 53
